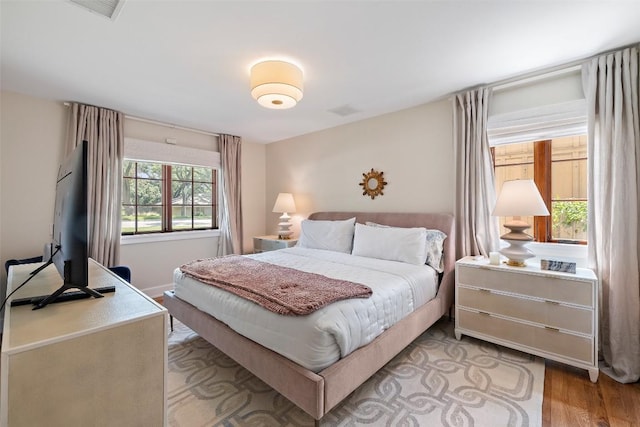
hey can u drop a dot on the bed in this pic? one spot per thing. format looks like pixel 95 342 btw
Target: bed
pixel 317 387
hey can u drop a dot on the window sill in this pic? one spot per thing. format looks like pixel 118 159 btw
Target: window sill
pixel 165 237
pixel 561 251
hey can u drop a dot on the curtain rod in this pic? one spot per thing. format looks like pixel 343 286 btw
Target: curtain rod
pixel 542 73
pixel 535 76
pixel 155 122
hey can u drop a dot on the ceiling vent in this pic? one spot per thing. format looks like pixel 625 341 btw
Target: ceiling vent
pixel 107 8
pixel 344 110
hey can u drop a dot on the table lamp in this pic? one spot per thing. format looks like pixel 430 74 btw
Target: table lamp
pixel 284 205
pixel 518 198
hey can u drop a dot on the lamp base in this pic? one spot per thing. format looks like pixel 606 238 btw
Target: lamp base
pixel 516 252
pixel 283 227
pixel 514 263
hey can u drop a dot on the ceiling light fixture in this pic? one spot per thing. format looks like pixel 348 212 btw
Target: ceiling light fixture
pixel 276 84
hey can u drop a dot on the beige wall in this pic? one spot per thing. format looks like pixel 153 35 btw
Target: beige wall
pixel 31 136
pixel 413 147
pixel 32 141
pixel 253 192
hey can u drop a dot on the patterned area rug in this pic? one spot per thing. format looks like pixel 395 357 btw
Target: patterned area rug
pixel 436 381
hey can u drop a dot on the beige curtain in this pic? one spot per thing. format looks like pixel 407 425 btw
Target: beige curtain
pixel 476 230
pixel 611 87
pixel 230 204
pixel 103 130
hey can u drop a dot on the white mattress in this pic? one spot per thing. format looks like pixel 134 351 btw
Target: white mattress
pixel 319 339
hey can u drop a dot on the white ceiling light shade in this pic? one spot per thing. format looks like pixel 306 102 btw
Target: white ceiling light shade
pixel 276 84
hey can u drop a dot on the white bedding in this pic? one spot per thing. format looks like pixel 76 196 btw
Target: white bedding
pixel 321 338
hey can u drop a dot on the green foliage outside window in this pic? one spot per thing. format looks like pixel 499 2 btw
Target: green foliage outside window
pixel 569 219
pixel 192 197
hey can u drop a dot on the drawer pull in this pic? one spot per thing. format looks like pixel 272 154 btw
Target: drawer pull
pixel 552 329
pixel 487 291
pixel 552 302
pixel 484 313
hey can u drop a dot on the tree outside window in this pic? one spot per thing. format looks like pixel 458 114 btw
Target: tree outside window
pixel 164 198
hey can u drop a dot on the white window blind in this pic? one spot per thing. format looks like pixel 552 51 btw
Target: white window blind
pixel 540 123
pixel 141 150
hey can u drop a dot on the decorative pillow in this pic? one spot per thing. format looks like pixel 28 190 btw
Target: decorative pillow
pixel 434 246
pixel 435 249
pixel 334 236
pixel 391 243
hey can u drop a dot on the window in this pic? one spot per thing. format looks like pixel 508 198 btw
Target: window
pixel 160 197
pixel 559 168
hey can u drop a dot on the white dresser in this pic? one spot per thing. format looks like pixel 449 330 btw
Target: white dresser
pixel 89 362
pixel 550 314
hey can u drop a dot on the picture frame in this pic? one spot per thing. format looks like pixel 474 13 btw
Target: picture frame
pixel 555 265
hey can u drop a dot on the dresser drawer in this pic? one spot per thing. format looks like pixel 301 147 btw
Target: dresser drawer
pixel 547 313
pixel 540 286
pixel 547 340
pixel 271 243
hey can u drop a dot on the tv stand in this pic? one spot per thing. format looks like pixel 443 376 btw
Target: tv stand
pixel 80 363
pixel 66 296
pixel 58 295
pixel 67 284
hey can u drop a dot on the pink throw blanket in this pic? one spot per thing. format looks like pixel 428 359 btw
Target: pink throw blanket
pixel 282 290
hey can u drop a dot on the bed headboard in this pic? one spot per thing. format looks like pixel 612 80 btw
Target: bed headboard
pixel 440 221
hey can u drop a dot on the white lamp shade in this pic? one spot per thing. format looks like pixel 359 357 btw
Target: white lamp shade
pixel 520 197
pixel 276 84
pixel 284 203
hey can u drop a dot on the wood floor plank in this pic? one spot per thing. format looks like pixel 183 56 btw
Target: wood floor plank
pixel 571 399
pixel 548 391
pixel 622 401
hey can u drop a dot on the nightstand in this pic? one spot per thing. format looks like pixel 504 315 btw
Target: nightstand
pixel 271 243
pixel 550 314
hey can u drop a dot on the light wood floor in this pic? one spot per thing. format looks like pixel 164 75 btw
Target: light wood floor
pixel 572 400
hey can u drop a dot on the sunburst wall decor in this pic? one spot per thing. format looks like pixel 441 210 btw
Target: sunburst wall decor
pixel 373 183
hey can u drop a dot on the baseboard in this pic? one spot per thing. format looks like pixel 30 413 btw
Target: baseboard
pixel 157 291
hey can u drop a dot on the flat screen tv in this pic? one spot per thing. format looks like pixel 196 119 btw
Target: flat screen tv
pixel 69 246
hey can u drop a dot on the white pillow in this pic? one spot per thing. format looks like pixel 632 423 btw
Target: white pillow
pixel 328 235
pixel 434 246
pixel 391 243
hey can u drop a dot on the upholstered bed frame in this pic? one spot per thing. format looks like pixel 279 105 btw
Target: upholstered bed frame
pixel 318 393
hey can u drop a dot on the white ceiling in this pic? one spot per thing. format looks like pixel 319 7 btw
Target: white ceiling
pixel 187 62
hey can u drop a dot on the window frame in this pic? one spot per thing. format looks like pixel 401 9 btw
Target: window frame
pixel 166 204
pixel 158 152
pixel 542 176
